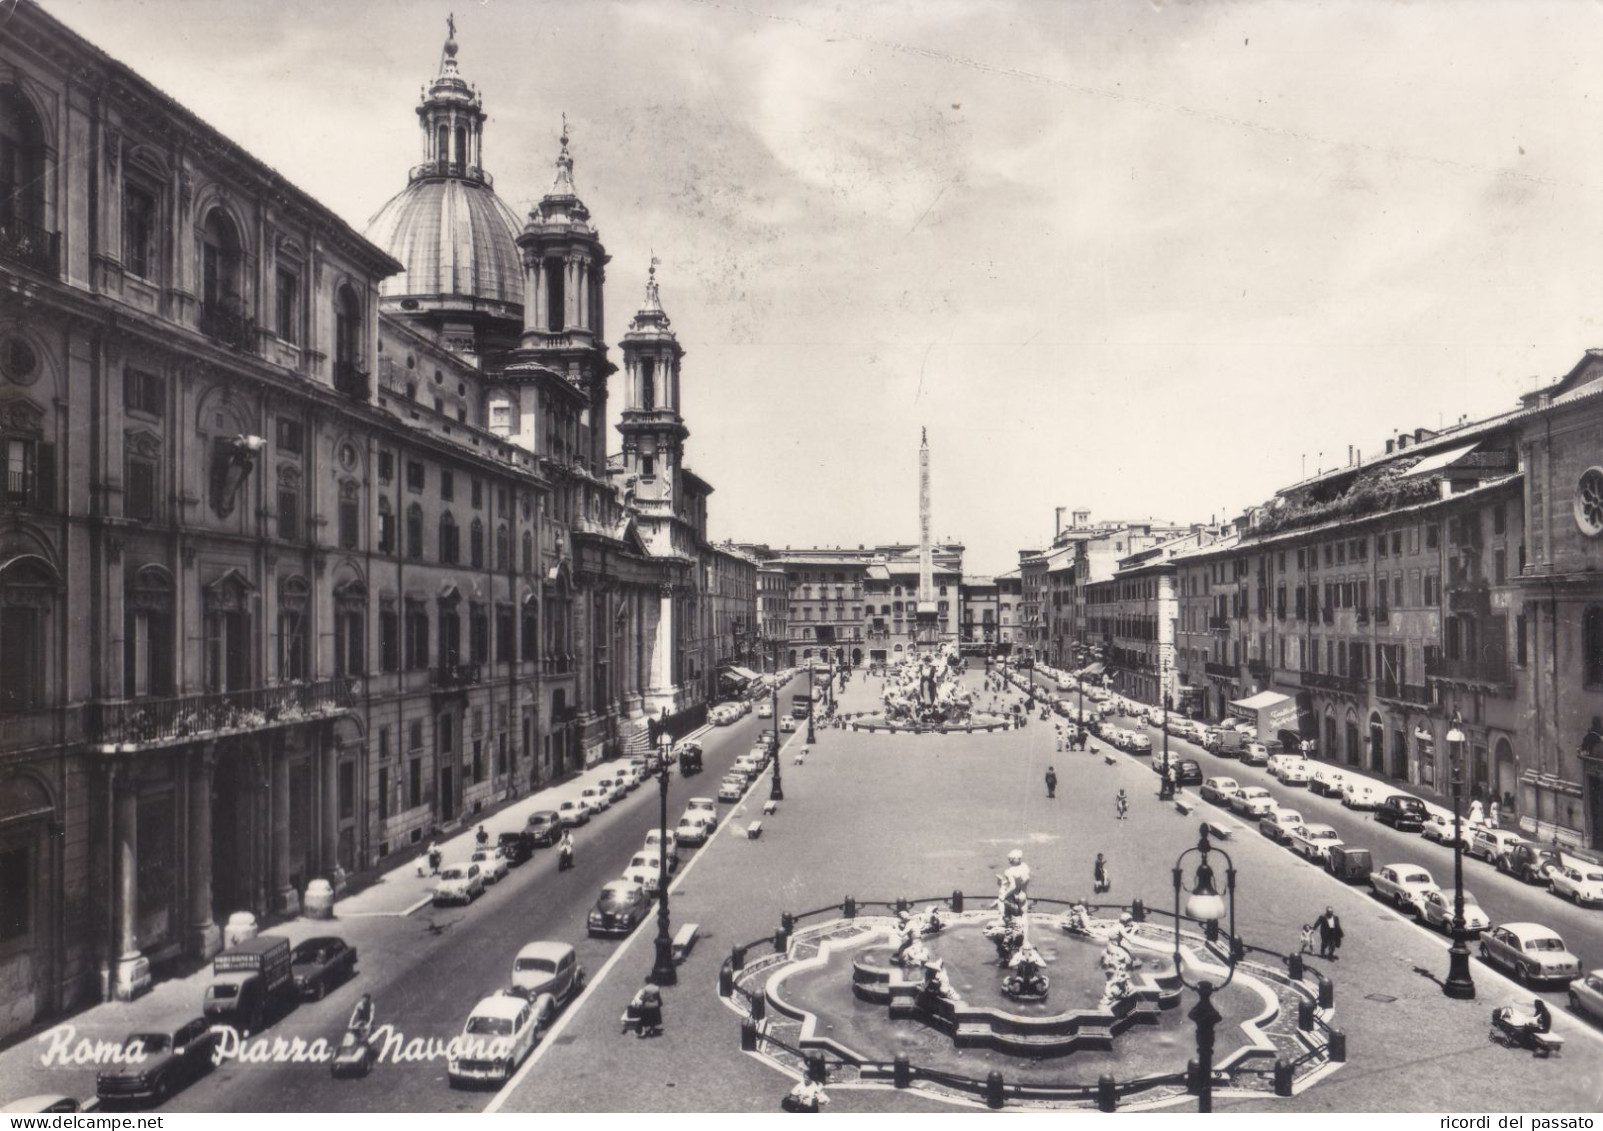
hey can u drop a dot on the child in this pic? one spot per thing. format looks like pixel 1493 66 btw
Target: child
pixel 1307 939
pixel 1123 803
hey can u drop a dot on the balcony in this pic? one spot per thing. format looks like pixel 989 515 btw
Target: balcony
pixel 1325 681
pixel 230 326
pixel 556 664
pixel 1498 674
pixel 139 722
pixel 1223 671
pixel 1416 694
pixel 1218 624
pixel 449 677
pixel 1474 599
pixel 1258 669
pixel 352 381
pixel 30 246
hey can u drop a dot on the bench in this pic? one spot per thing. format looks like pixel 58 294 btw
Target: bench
pixel 770 808
pixel 684 941
pixel 754 830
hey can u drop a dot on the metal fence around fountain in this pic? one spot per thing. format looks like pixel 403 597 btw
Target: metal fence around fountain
pixel 1107 1092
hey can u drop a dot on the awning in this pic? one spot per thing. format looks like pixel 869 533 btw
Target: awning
pixel 1439 460
pixel 1093 670
pixel 743 673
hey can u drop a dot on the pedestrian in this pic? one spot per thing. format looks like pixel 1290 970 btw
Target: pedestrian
pixel 1099 875
pixel 1122 803
pixel 1052 781
pixel 565 851
pixel 434 858
pixel 1329 934
pixel 1307 946
pixel 1494 815
pixel 482 837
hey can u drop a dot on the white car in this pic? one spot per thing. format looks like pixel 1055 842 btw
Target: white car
pixel 1436 910
pixel 1361 793
pixel 1278 823
pixel 1327 781
pixel 492 865
pixel 1489 844
pixel 643 870
pixel 1252 801
pixel 766 711
pixel 1531 952
pixel 1290 769
pixel 1255 754
pixel 693 828
pixel 1586 995
pixel 787 725
pixel 731 788
pixel 1138 743
pixel 703 805
pixel 573 812
pixel 498 1036
pixel 613 788
pixel 1314 841
pixel 599 800
pixel 1582 884
pixel 654 839
pixel 1406 885
pixel 459 883
pixel 1439 827
pixel 1218 790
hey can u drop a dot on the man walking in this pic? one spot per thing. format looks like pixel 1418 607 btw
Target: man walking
pixel 1099 875
pixel 1122 803
pixel 1051 782
pixel 1329 934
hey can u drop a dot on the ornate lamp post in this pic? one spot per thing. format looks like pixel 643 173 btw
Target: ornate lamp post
pixel 810 738
pixel 662 970
pixel 1459 983
pixel 1204 902
pixel 777 791
pixel 1166 785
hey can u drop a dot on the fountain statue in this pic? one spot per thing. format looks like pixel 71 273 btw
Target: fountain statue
pixel 1025 980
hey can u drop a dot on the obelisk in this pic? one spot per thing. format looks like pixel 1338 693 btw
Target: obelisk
pixel 928 627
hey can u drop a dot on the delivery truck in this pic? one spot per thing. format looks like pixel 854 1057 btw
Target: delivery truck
pixel 250 981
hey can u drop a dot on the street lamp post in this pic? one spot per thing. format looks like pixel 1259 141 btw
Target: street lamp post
pixel 662 971
pixel 1204 902
pixel 777 791
pixel 1459 983
pixel 1166 785
pixel 810 738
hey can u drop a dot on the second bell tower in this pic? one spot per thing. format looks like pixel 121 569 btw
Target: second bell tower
pixel 653 430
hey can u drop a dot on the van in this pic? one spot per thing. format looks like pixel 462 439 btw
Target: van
pixel 1350 865
pixel 1490 844
pixel 250 979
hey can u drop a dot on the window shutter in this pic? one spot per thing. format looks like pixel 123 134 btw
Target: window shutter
pixel 45 478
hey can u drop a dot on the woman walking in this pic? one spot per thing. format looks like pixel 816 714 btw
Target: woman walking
pixel 1099 875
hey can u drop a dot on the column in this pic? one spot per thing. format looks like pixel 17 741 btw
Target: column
pixel 286 899
pixel 331 813
pixel 132 974
pixel 204 937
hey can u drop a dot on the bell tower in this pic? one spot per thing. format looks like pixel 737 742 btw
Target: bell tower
pixel 653 430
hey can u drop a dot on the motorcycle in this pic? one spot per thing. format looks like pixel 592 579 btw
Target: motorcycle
pixel 355 1055
pixel 564 859
pixel 1531 1031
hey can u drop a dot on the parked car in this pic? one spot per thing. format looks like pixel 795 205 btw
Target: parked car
pixel 693 828
pixel 492 865
pixel 1278 823
pixel 1218 790
pixel 497 1036
pixel 654 839
pixel 1189 773
pixel 1314 841
pixel 787 725
pixel 1586 995
pixel 1532 863
pixel 703 805
pixel 618 910
pixel 1252 801
pixel 1577 883
pixel 320 963
pixel 765 711
pixel 1255 754
pixel 1490 844
pixel 159 1063
pixel 1296 771
pixel 515 847
pixel 1138 743
pixel 732 787
pixel 43 1104
pixel 548 968
pixel 1404 885
pixel 1404 813
pixel 1327 781
pixel 545 827
pixel 1531 952
pixel 642 870
pixel 459 883
pixel 1349 865
pixel 573 812
pixel 1436 910
pixel 599 800
pixel 1360 793
pixel 614 789
pixel 1439 828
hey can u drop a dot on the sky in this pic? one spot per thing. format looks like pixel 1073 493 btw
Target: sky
pixel 1146 259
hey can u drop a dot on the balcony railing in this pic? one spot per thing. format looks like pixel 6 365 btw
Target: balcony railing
pixel 1325 681
pixel 448 676
pixel 30 246
pixel 1416 693
pixel 557 664
pixel 230 326
pixel 1495 672
pixel 1218 624
pixel 1226 671
pixel 1475 599
pixel 1258 669
pixel 351 380
pixel 138 721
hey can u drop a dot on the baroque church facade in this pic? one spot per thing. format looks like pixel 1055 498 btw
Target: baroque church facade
pixel 310 542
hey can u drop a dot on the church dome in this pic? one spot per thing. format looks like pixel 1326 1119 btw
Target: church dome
pixel 457 239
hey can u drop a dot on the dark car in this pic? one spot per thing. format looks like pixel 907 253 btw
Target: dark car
pixel 319 964
pixel 159 1063
pixel 1532 863
pixel 1188 772
pixel 1350 865
pixel 516 847
pixel 690 760
pixel 1403 813
pixel 544 828
pixel 619 909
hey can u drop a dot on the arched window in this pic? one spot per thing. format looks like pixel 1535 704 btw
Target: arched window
pixel 148 633
pixel 556 300
pixel 348 376
pixel 1592 645
pixel 476 544
pixel 648 384
pixel 450 546
pixel 459 158
pixel 22 172
pixel 503 549
pixel 442 146
pixel 220 261
pixel 528 552
pixel 27 597
pixel 386 527
pixel 414 531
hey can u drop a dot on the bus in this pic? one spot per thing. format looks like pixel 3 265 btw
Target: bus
pixel 800 706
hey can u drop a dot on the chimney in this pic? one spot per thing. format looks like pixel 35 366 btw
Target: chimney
pixel 1349 455
pixel 1057 516
pixel 1082 518
pixel 1402 441
pixel 1391 446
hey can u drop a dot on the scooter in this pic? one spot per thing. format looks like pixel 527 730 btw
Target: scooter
pixel 355 1055
pixel 564 859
